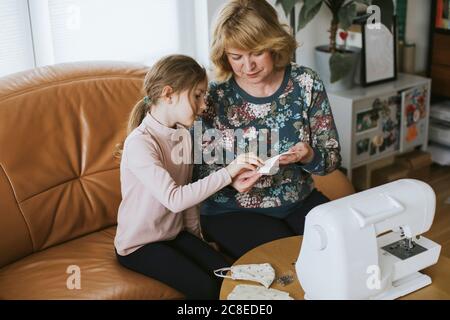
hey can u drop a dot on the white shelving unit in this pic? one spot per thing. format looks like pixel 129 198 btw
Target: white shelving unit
pixel 382 120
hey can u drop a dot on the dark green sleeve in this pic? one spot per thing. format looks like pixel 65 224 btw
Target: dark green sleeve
pixel 324 136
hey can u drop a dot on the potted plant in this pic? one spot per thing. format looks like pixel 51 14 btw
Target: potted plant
pixel 336 65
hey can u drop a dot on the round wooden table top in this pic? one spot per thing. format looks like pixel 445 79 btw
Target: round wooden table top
pixel 283 253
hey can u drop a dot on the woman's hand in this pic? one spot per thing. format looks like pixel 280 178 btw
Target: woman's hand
pixel 245 181
pixel 301 152
pixel 245 161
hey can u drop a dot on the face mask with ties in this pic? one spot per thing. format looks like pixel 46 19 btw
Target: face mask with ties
pixel 262 273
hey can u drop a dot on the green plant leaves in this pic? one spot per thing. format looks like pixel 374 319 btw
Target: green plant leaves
pixel 310 8
pixel 340 66
pixel 287 5
pixel 347 14
pixel 308 12
pixel 311 3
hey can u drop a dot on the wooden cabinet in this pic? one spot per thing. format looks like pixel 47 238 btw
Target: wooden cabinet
pixel 439 57
pixel 440 64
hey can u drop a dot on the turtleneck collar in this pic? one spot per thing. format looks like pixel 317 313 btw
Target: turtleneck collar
pixel 151 123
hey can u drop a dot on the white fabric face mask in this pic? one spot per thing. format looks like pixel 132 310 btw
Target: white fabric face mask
pixel 249 292
pixel 262 273
pixel 271 166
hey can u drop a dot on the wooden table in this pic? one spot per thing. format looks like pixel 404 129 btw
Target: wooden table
pixel 283 253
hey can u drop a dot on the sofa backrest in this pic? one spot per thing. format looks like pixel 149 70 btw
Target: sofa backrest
pixel 58 129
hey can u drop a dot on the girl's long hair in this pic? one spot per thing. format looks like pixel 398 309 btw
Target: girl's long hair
pixel 180 72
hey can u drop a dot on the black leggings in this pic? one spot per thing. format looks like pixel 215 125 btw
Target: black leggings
pixel 236 233
pixel 185 263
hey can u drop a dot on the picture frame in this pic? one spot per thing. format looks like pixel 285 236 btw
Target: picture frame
pixel 379 53
pixel 366 120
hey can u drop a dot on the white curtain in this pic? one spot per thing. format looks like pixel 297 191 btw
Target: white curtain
pixel 34 33
pixel 16 47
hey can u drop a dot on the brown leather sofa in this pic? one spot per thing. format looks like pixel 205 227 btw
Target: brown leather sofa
pixel 59 184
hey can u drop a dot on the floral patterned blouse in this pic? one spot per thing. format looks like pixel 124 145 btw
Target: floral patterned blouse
pixel 299 111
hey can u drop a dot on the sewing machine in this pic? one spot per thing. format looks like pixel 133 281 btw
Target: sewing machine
pixel 368 245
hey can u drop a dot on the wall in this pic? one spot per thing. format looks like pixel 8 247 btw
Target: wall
pixel 417 30
pixel 205 11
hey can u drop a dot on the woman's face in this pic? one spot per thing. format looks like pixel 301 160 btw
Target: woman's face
pixel 253 67
pixel 187 105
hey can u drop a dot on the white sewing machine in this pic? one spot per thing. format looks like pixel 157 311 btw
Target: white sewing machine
pixel 349 251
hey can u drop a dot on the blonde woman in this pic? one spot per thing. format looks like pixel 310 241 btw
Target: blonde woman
pixel 258 90
pixel 158 231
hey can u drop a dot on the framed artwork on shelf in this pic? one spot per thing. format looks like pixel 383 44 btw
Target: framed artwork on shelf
pixel 379 47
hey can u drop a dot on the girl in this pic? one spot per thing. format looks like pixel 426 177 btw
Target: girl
pixel 158 232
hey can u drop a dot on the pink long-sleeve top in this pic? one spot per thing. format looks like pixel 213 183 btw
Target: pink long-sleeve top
pixel 158 200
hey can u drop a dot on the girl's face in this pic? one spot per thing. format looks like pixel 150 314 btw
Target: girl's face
pixel 189 107
pixel 253 67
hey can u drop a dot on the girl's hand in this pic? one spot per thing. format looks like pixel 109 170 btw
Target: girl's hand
pixel 245 161
pixel 245 181
pixel 301 152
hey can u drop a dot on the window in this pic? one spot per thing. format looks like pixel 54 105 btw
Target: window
pixel 43 32
pixel 16 50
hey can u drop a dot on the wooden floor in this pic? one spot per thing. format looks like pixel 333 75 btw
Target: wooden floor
pixel 439 180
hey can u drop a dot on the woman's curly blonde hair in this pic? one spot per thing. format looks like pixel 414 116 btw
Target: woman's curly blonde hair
pixel 251 25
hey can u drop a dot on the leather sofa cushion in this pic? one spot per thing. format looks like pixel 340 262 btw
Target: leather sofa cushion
pixel 42 275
